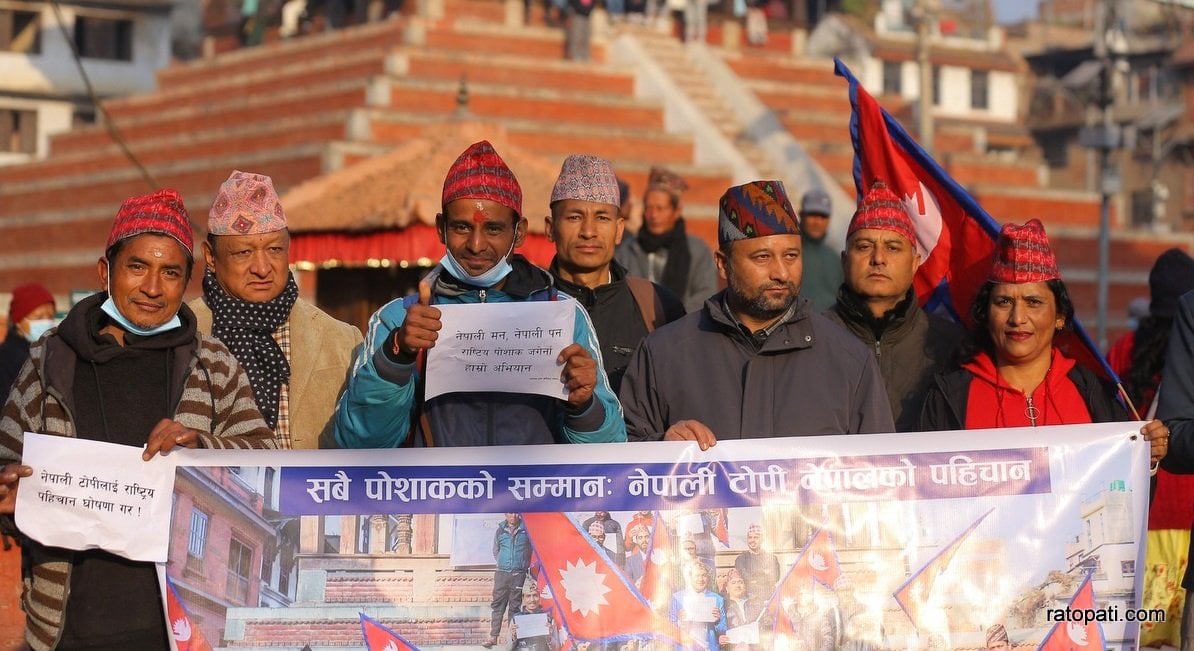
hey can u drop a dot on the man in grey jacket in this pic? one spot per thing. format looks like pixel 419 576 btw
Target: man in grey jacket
pixel 755 361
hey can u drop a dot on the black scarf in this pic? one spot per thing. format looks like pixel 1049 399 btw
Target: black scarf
pixel 679 258
pixel 247 328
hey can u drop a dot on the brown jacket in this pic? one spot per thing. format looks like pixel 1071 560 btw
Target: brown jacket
pixel 321 352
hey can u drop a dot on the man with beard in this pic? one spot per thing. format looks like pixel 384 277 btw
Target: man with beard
pixel 662 251
pixel 755 361
pixel 759 568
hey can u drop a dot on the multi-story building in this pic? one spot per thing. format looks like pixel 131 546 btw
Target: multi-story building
pixel 120 44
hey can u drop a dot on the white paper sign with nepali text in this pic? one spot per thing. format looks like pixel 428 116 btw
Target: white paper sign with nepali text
pixel 93 495
pixel 501 347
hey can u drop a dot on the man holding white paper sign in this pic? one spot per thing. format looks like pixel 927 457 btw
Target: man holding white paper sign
pixel 126 366
pixel 481 225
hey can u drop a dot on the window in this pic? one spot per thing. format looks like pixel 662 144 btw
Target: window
pixel 936 85
pixel 240 564
pixel 1127 568
pixel 978 89
pixel 102 38
pixel 20 31
pixel 198 540
pixel 892 79
pixel 18 132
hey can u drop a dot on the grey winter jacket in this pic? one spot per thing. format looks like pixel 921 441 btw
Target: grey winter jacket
pixel 808 377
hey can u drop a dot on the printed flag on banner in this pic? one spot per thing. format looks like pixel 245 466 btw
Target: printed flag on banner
pixel 721 525
pixel 654 584
pixel 381 638
pixel 1074 636
pixel 547 600
pixel 595 601
pixel 187 636
pixel 915 592
pixel 955 236
pixel 816 562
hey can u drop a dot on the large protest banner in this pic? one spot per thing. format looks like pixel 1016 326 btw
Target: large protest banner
pixel 895 541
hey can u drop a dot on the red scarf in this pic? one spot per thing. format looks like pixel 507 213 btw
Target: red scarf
pixel 992 402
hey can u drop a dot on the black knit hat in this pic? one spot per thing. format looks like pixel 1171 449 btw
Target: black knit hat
pixel 1172 275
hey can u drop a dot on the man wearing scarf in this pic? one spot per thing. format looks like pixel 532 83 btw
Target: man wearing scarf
pixel 297 357
pixel 663 252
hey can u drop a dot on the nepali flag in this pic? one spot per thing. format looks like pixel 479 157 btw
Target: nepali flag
pixel 381 638
pixel 955 236
pixel 816 562
pixel 594 598
pixel 721 525
pixel 655 583
pixel 914 594
pixel 1073 636
pixel 187 636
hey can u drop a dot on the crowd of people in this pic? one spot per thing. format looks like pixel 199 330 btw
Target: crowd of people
pixel 657 352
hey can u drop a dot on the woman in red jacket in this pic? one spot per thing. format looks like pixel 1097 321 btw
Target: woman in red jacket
pixel 1018 377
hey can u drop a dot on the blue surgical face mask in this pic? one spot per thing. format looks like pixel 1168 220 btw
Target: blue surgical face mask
pixel 488 279
pixel 38 327
pixel 109 308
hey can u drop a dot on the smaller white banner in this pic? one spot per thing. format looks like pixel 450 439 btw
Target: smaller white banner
pixel 501 347
pixel 93 495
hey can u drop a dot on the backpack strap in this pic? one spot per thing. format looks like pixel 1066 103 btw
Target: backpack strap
pixel 649 305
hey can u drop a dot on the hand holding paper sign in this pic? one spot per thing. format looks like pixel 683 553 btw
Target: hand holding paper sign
pixel 10 476
pixel 421 327
pixel 579 375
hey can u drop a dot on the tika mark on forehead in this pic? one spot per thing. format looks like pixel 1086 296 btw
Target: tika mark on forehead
pixel 479 213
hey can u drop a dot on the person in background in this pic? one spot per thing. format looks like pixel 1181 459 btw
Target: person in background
pixel 512 555
pixel 757 567
pixel 613 534
pixel 297 356
pixel 30 315
pixel 532 605
pixel 662 251
pixel 1138 358
pixel 742 608
pixel 822 264
pixel 698 630
pixel 578 32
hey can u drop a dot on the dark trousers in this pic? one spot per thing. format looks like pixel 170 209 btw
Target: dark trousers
pixel 507 598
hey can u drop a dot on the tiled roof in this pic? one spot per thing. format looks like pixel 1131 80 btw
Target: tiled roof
pixel 404 186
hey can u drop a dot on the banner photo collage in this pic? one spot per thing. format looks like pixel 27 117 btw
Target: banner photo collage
pixel 1024 537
